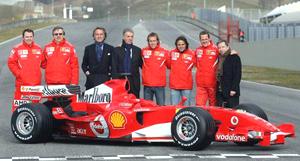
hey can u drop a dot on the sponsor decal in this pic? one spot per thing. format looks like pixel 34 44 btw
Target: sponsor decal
pixel 175 55
pixel 30 97
pixel 199 53
pixel 234 120
pixel 55 90
pixel 57 111
pixel 36 51
pixel 49 53
pixel 30 89
pixel 231 137
pixel 162 54
pixel 81 131
pixel 96 95
pixel 141 109
pixel 208 52
pixel 157 53
pixel 20 102
pixel 72 128
pixel 49 49
pixel 125 104
pixel 22 52
pixel 65 49
pixel 117 120
pixel 147 54
pixel 187 57
pixel 177 109
pixel 211 52
pixel 99 127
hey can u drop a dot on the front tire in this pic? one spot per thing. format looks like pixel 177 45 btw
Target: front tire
pixel 255 110
pixel 32 123
pixel 193 128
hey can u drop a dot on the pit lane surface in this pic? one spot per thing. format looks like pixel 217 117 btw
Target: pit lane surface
pixel 280 104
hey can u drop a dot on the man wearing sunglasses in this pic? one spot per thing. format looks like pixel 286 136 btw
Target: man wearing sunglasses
pixel 61 60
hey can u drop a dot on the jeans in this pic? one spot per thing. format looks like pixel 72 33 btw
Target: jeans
pixel 176 96
pixel 159 93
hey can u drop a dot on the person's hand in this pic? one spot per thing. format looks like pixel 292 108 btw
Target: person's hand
pixel 232 93
pixel 87 73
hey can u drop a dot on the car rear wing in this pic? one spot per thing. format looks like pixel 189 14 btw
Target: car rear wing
pixel 48 91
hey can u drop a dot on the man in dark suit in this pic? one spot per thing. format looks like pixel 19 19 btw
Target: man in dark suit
pixel 127 59
pixel 97 60
pixel 228 76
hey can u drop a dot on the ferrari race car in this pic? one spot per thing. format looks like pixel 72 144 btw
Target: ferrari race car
pixel 108 112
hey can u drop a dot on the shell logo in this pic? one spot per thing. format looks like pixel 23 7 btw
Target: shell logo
pixel 117 119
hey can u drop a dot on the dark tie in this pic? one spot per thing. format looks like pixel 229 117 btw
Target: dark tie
pixel 99 51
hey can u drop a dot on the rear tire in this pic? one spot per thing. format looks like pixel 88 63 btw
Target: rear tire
pixel 32 123
pixel 193 128
pixel 255 110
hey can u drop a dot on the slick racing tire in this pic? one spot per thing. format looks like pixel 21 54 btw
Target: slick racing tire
pixel 32 123
pixel 193 128
pixel 255 110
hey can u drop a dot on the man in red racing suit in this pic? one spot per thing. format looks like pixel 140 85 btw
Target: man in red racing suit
pixel 207 59
pixel 61 60
pixel 25 63
pixel 154 69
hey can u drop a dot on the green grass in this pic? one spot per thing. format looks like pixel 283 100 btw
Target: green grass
pixel 10 33
pixel 280 77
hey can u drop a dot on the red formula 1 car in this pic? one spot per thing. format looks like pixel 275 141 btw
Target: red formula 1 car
pixel 108 112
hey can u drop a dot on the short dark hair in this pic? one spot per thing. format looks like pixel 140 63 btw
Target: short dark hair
pixel 100 28
pixel 127 30
pixel 183 39
pixel 204 33
pixel 27 30
pixel 58 28
pixel 223 41
pixel 153 34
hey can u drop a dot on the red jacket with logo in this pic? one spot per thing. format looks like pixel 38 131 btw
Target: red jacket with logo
pixel 181 65
pixel 154 66
pixel 207 59
pixel 61 63
pixel 25 64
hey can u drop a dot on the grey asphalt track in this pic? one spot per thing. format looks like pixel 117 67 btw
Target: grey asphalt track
pixel 282 105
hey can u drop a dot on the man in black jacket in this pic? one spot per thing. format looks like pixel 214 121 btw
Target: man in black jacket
pixel 127 59
pixel 228 76
pixel 97 60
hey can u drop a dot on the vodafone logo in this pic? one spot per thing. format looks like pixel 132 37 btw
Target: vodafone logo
pixel 234 120
pixel 99 127
pixel 230 137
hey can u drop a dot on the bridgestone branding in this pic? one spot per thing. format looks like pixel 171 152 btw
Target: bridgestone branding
pixel 20 110
pixel 186 113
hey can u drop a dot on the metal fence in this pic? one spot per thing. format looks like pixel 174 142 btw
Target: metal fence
pixel 31 21
pixel 253 31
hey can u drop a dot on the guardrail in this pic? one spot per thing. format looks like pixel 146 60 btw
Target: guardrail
pixel 213 30
pixel 32 21
pixel 253 31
